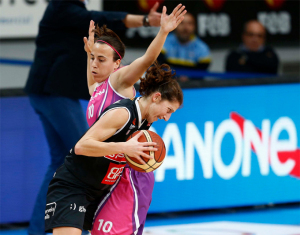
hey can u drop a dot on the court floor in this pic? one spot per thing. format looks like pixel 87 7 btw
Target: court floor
pixel 261 221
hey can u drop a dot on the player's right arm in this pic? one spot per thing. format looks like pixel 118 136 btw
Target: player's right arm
pixel 92 143
pixel 129 75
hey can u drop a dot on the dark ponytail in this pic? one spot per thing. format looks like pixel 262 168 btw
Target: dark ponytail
pixel 109 36
pixel 159 78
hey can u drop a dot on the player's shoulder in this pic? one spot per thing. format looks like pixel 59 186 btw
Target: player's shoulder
pixel 123 103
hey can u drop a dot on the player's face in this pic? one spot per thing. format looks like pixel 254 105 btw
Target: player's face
pixel 162 109
pixel 102 64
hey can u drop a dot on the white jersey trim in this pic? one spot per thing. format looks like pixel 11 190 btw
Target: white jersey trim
pixel 139 111
pixel 127 119
pixel 136 217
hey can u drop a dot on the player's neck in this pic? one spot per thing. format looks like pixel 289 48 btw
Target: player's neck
pixel 144 107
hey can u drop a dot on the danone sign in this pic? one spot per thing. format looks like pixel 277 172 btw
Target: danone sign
pixel 231 147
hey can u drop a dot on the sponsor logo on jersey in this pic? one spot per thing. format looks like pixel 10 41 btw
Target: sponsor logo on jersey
pixel 73 206
pixel 113 173
pixel 119 157
pixel 97 94
pixel 133 122
pixel 82 209
pixel 131 127
pixel 50 209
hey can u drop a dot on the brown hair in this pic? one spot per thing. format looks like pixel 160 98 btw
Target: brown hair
pixel 159 78
pixel 109 36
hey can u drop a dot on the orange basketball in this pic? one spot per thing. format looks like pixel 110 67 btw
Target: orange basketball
pixel 158 156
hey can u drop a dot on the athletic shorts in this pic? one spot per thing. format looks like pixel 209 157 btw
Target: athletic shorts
pixel 123 211
pixel 69 204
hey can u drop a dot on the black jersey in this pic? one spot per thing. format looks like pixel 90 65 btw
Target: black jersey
pixel 102 172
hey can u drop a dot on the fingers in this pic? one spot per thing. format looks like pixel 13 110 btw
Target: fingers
pixel 148 143
pixel 150 149
pixel 178 13
pixel 181 17
pixel 141 160
pixel 154 8
pixel 85 40
pixel 164 11
pixel 176 9
pixel 138 135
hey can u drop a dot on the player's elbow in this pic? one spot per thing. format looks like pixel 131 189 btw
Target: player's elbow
pixel 78 149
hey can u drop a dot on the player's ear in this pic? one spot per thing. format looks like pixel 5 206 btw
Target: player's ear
pixel 117 64
pixel 156 97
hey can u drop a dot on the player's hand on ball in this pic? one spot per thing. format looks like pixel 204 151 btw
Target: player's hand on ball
pixel 136 149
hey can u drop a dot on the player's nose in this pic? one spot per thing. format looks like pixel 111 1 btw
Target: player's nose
pixel 167 117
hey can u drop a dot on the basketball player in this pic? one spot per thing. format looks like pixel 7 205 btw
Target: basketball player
pixel 106 87
pixel 106 82
pixel 94 163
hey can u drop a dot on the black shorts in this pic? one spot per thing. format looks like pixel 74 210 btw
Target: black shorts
pixel 69 204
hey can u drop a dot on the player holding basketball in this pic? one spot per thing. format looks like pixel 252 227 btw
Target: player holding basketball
pixel 95 162
pixel 106 87
pixel 104 54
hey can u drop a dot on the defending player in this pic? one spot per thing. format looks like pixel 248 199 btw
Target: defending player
pixel 94 163
pixel 106 82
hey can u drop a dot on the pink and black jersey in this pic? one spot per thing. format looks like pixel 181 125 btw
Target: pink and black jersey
pixel 103 96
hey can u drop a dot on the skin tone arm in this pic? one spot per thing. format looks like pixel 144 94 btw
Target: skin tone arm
pixel 91 144
pixel 88 44
pixel 127 76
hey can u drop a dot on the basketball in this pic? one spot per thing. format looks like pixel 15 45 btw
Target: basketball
pixel 158 156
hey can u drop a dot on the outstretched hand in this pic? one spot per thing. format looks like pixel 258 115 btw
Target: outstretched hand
pixel 170 22
pixel 136 149
pixel 154 16
pixel 89 43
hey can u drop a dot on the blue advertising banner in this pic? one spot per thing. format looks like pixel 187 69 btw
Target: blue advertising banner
pixel 226 147
pixel 232 146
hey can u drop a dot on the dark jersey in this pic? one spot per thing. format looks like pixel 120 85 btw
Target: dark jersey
pixel 101 172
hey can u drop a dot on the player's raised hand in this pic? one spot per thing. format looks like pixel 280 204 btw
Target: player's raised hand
pixel 170 22
pixel 135 149
pixel 89 43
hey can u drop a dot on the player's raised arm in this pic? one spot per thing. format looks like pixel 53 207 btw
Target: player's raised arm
pixel 130 74
pixel 88 45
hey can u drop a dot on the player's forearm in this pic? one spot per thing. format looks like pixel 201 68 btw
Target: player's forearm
pixel 155 48
pixel 90 79
pixel 94 148
pixel 133 21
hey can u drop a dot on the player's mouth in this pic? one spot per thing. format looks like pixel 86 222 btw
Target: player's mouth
pixel 94 73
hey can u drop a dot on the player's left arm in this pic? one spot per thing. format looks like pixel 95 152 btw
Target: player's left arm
pixel 129 75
